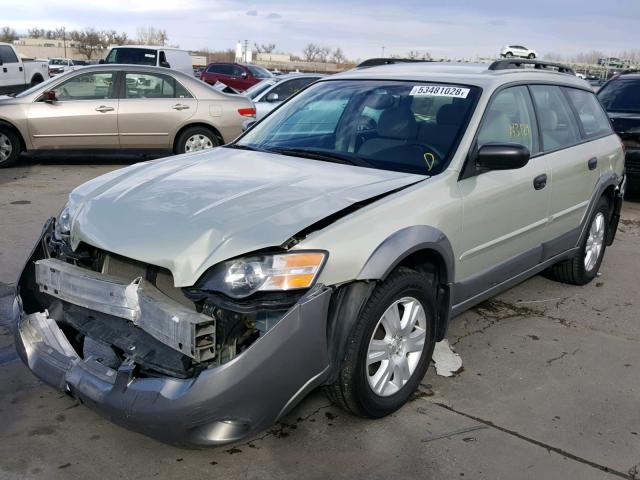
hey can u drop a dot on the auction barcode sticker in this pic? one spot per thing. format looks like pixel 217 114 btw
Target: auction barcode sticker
pixel 439 91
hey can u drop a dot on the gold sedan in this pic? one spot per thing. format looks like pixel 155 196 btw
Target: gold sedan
pixel 120 107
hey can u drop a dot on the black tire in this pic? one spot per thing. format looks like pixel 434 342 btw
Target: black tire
pixel 37 79
pixel 181 146
pixel 13 143
pixel 531 56
pixel 351 391
pixel 573 270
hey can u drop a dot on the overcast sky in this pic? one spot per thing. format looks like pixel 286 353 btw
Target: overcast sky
pixel 445 28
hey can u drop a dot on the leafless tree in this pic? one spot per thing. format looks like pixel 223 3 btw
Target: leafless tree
pixel 264 48
pixel 88 41
pixel 310 52
pixel 338 57
pixel 8 35
pixel 36 32
pixel 151 35
pixel 115 38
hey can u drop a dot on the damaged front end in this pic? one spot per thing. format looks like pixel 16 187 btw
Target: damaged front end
pixel 187 366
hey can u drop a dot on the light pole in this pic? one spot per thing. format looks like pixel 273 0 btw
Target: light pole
pixel 383 51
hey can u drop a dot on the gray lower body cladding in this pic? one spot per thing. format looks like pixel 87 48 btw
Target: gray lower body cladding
pixel 219 405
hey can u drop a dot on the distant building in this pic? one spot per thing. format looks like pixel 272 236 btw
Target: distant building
pixel 46 48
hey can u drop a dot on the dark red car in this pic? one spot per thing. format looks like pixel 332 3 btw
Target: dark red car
pixel 235 75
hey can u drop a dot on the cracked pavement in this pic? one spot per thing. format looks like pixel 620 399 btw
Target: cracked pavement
pixel 550 387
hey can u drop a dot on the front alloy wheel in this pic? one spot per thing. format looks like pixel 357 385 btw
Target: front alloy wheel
pixel 389 348
pixel 396 346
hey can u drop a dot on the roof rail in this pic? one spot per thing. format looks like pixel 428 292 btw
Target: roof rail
pixel 374 62
pixel 515 63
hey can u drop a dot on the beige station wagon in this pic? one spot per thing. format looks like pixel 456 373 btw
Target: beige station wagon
pixel 198 298
pixel 120 107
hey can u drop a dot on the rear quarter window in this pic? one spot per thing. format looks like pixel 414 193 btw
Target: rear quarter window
pixel 593 119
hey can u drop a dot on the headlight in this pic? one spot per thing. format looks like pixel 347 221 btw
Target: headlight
pixel 278 272
pixel 65 219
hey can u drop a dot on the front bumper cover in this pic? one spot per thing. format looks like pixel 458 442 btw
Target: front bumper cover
pixel 220 405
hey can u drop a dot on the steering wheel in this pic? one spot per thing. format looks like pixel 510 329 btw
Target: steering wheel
pixel 430 155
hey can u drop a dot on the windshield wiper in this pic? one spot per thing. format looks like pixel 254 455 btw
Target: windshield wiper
pixel 248 147
pixel 325 156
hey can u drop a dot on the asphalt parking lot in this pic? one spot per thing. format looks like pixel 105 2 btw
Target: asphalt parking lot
pixel 550 387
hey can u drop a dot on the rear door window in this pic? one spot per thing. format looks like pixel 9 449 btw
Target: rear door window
pixel 558 124
pixel 145 85
pixel 593 119
pixel 510 119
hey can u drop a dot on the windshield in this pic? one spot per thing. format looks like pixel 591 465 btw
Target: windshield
pixel 409 127
pixel 621 96
pixel 259 72
pixel 57 61
pixel 260 87
pixel 133 56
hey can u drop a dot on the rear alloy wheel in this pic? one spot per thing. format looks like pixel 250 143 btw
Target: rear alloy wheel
pixel 583 266
pixel 9 148
pixel 532 56
pixel 196 139
pixel 509 55
pixel 390 347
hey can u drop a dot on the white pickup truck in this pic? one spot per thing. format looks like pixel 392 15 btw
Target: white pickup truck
pixel 17 74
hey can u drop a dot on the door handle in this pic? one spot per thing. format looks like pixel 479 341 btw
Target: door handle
pixel 20 68
pixel 4 69
pixel 180 106
pixel 592 163
pixel 540 181
pixel 103 109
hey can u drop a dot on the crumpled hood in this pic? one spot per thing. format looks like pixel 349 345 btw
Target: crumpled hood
pixel 190 212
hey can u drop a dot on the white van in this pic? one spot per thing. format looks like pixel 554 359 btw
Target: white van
pixel 152 55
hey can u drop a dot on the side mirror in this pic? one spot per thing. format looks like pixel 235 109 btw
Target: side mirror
pixel 50 96
pixel 502 156
pixel 165 64
pixel 243 74
pixel 101 62
pixel 272 97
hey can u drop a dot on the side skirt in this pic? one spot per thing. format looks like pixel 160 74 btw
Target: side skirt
pixel 479 288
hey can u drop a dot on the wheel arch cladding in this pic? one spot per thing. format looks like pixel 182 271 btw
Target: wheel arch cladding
pixel 420 242
pixel 421 247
